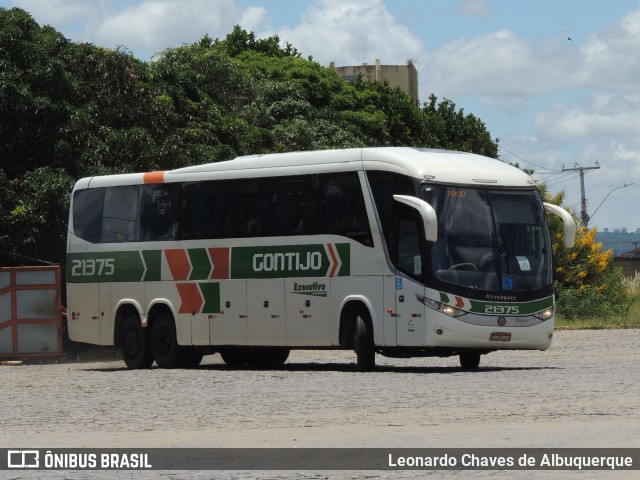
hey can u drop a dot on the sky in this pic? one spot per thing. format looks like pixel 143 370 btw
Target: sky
pixel 556 81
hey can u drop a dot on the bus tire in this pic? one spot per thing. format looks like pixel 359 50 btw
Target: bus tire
pixel 164 343
pixel 469 360
pixel 234 357
pixel 363 343
pixel 268 357
pixel 136 350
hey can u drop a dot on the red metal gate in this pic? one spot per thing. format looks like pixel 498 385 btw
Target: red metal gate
pixel 30 312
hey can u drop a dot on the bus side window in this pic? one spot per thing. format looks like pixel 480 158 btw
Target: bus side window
pixel 293 205
pixel 342 210
pixel 158 212
pixel 248 202
pixel 119 219
pixel 202 210
pixel 87 214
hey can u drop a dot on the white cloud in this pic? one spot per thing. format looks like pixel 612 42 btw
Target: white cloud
pixel 609 58
pixel 153 25
pixel 351 32
pixel 501 63
pixel 60 13
pixel 498 62
pixel 625 154
pixel 604 116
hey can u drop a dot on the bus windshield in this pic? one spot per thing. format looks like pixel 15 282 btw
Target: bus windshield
pixel 489 240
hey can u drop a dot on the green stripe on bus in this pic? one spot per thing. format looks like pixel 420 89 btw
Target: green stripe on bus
pixel 152 260
pixel 506 308
pixel 278 261
pixel 211 295
pixel 200 264
pixel 105 267
pixel 344 252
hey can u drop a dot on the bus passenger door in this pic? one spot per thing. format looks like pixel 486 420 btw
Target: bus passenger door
pixel 410 312
pixel 229 325
pixel 266 324
pixel 389 304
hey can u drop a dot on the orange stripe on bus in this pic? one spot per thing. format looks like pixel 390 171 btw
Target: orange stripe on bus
pixel 154 177
pixel 178 263
pixel 333 259
pixel 190 297
pixel 220 259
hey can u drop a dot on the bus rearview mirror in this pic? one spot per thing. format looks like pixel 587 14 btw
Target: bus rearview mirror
pixel 568 222
pixel 426 211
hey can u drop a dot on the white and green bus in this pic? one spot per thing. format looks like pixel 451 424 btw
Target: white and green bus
pixel 395 251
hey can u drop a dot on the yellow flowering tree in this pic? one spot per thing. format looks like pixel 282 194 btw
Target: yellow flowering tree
pixel 586 280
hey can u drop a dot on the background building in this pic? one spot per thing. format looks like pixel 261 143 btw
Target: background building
pixel 629 262
pixel 405 77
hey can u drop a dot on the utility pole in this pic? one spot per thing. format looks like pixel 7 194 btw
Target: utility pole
pixel 584 217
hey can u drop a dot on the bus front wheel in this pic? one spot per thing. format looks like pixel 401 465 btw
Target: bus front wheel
pixel 136 351
pixel 164 344
pixel 363 343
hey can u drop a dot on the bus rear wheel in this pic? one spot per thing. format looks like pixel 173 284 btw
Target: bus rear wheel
pixel 363 343
pixel 136 351
pixel 164 344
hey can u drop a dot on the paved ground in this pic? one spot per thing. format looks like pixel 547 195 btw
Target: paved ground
pixel 583 392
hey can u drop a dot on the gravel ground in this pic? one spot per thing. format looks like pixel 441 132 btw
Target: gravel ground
pixel 583 392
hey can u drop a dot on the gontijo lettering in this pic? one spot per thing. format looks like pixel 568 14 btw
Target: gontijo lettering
pixel 290 261
pixel 273 261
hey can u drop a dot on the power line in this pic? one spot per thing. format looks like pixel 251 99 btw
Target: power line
pixel 526 161
pixel 562 179
pixel 17 255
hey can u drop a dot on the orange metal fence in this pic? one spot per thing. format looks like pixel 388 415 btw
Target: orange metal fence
pixel 30 312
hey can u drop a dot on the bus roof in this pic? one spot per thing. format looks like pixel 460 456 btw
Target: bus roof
pixel 438 166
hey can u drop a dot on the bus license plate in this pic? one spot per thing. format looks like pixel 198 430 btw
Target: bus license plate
pixel 500 336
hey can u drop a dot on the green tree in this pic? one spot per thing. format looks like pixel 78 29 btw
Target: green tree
pixel 34 92
pixel 451 129
pixel 33 224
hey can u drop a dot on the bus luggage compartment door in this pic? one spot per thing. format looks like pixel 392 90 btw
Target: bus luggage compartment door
pixel 266 324
pixel 308 311
pixel 229 326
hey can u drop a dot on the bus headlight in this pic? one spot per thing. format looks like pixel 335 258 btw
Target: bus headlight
pixel 545 314
pixel 440 307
